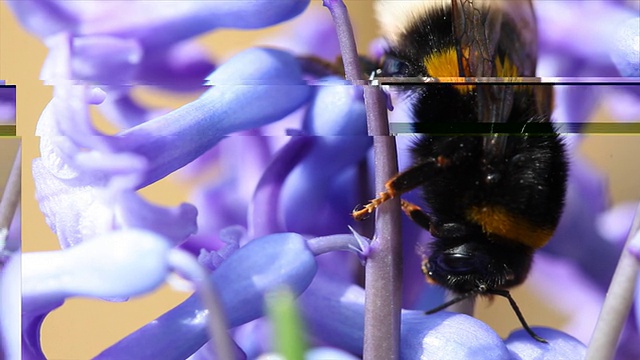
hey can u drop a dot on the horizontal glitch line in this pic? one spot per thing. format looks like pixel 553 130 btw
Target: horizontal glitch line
pixel 448 128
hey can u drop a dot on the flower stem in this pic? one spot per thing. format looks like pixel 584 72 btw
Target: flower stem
pixel 383 281
pixel 617 303
pixel 221 342
pixel 10 199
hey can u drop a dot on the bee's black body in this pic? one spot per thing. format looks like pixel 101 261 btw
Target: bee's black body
pixel 492 199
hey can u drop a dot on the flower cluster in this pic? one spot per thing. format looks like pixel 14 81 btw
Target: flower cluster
pixel 288 140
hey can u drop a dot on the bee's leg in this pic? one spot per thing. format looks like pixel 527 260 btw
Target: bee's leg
pixel 401 183
pixel 437 229
pixel 415 213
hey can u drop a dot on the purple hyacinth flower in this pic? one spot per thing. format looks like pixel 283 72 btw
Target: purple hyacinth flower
pixel 154 27
pixel 305 183
pixel 147 152
pixel 242 281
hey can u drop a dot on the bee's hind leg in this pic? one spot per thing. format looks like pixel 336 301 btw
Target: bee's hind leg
pixel 399 184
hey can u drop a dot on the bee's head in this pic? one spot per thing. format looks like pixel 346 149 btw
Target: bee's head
pixel 477 263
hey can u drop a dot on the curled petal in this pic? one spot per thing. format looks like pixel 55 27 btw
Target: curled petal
pixel 264 215
pixel 95 268
pixel 560 346
pixel 177 138
pixel 173 223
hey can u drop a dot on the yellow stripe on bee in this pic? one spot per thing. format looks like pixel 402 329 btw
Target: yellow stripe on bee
pixel 444 64
pixel 497 220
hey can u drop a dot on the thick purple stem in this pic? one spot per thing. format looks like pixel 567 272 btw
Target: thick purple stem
pixel 383 282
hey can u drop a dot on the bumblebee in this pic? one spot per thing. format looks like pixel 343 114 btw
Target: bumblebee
pixel 493 198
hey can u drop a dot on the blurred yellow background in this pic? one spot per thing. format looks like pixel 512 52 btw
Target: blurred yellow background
pixel 82 328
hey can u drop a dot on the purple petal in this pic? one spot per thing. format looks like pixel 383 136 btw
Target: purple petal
pixel 181 67
pixel 583 29
pixel 242 281
pixel 7 104
pixel 231 106
pixel 560 346
pixel 264 215
pixel 95 268
pixel 337 116
pixel 105 59
pixel 123 111
pixel 176 225
pixel 311 33
pixel 615 223
pixel 153 23
pixel 334 313
pixel 449 336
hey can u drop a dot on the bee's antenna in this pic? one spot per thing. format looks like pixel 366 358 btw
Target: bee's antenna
pixel 516 309
pixel 455 300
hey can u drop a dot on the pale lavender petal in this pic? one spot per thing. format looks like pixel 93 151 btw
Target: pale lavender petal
pixel 560 346
pixel 615 223
pixel 334 313
pixel 323 353
pixel 96 269
pixel 626 52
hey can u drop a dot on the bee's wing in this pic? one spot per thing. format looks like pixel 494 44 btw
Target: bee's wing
pixel 477 31
pixel 486 29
